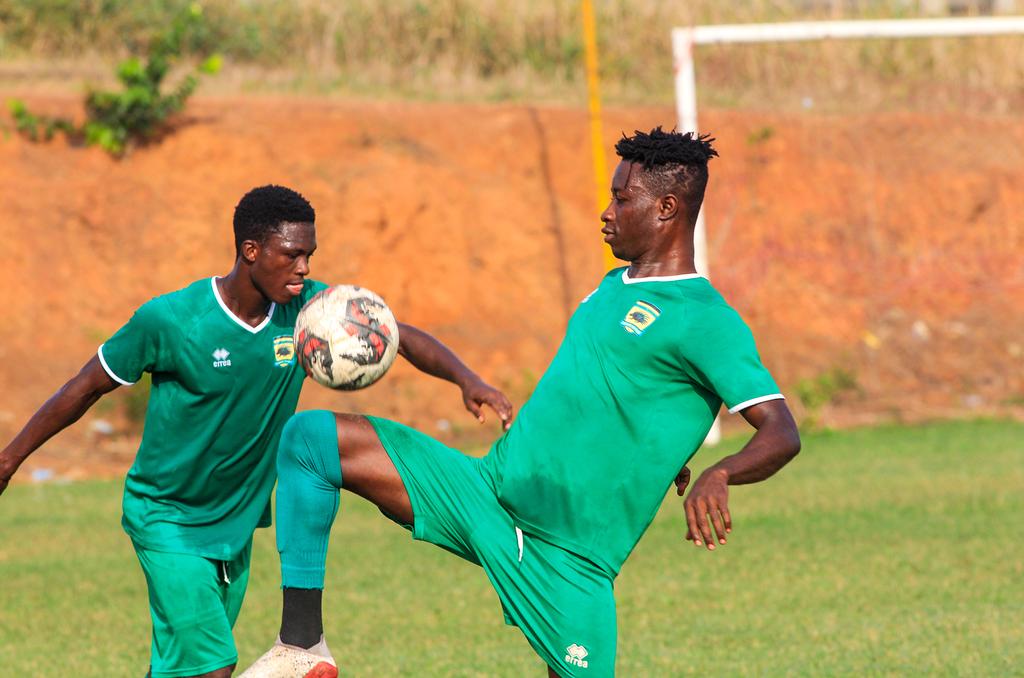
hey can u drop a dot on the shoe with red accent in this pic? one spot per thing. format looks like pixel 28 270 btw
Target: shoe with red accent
pixel 289 661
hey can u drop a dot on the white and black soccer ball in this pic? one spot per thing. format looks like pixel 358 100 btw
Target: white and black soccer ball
pixel 346 337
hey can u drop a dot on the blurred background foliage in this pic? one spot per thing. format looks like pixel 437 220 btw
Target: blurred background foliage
pixel 138 111
pixel 526 50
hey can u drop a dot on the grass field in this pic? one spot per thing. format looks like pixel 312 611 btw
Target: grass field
pixel 892 551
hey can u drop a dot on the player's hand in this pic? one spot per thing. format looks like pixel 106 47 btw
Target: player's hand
pixel 707 507
pixel 682 480
pixel 476 393
pixel 6 471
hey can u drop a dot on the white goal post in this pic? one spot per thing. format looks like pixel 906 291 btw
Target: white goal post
pixel 684 40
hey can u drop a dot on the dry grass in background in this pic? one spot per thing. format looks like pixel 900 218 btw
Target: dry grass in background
pixel 528 50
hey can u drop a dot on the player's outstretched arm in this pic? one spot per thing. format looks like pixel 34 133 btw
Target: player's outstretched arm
pixel 429 355
pixel 775 443
pixel 64 408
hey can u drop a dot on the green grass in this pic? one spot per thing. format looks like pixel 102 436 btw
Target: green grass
pixel 879 552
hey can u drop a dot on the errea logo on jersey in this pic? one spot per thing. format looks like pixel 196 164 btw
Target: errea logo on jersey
pixel 220 358
pixel 576 655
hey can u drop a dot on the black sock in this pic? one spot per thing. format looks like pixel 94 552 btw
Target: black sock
pixel 302 622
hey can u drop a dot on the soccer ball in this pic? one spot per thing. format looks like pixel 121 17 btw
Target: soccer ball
pixel 346 337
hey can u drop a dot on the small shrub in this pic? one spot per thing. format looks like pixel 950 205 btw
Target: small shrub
pixel 760 135
pixel 139 111
pixel 817 392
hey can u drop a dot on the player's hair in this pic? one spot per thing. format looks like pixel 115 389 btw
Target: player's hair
pixel 262 210
pixel 672 163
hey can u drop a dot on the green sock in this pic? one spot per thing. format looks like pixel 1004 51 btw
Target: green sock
pixel 308 488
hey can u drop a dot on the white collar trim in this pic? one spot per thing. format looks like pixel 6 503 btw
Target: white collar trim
pixel 241 323
pixel 657 278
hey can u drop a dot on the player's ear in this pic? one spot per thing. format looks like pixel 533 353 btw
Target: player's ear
pixel 249 250
pixel 668 207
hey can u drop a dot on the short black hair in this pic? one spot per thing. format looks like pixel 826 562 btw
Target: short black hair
pixel 262 210
pixel 672 162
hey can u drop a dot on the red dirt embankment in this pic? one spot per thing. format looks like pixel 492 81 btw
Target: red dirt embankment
pixel 889 246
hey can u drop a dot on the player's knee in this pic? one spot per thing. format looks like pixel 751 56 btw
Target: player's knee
pixel 309 442
pixel 295 437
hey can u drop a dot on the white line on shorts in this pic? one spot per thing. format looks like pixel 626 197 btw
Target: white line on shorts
pixel 519 542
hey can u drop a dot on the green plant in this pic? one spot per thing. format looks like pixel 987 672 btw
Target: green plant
pixel 817 392
pixel 35 127
pixel 1015 400
pixel 760 135
pixel 137 112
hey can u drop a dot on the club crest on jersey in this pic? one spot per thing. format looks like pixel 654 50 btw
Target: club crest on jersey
pixel 641 316
pixel 284 350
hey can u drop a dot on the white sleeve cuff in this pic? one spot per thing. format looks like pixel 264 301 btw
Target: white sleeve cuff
pixel 748 403
pixel 109 371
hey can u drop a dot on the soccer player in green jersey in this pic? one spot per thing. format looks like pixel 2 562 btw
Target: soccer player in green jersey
pixel 224 382
pixel 555 508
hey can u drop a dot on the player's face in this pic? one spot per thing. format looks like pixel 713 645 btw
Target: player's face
pixel 631 215
pixel 281 262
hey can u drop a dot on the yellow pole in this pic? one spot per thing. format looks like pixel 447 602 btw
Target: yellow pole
pixel 601 179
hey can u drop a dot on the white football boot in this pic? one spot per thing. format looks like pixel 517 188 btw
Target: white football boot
pixel 289 661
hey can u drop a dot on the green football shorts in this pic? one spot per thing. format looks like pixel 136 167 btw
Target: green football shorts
pixel 194 602
pixel 563 604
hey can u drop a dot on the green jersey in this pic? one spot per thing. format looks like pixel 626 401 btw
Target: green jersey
pixel 629 397
pixel 221 393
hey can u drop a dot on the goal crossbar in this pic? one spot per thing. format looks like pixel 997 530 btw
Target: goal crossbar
pixel 835 30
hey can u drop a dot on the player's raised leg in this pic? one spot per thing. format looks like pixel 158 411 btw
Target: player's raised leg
pixel 319 452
